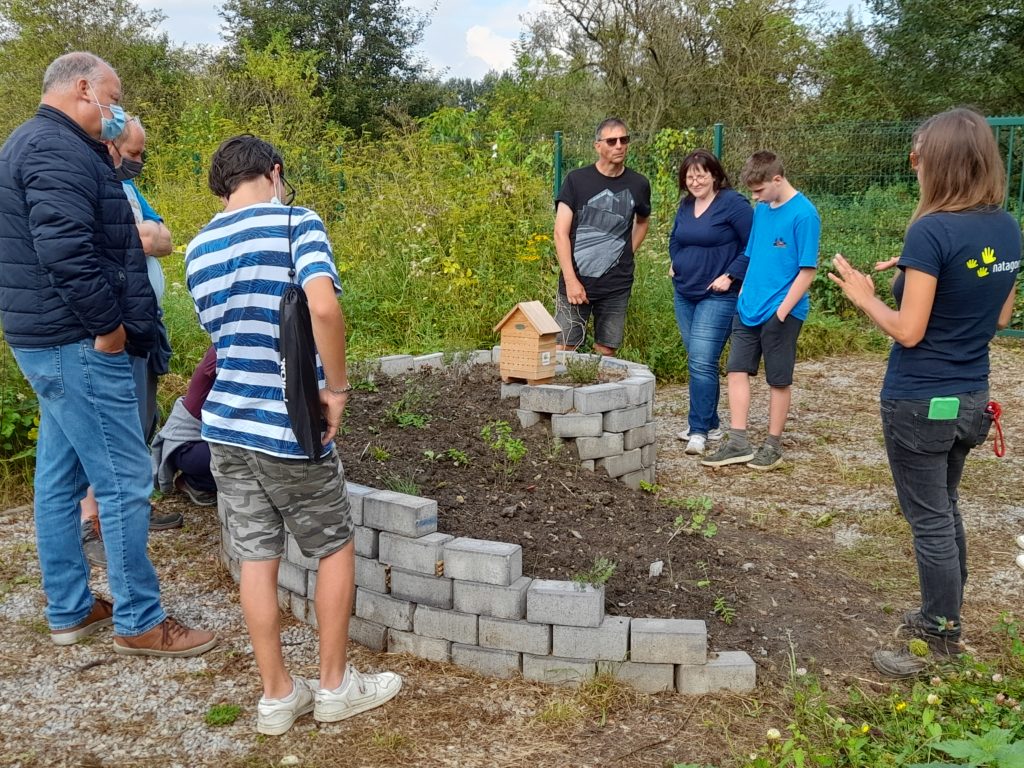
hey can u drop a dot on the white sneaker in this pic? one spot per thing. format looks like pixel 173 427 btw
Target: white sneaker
pixel 695 445
pixel 276 716
pixel 1020 541
pixel 1020 561
pixel 714 435
pixel 357 693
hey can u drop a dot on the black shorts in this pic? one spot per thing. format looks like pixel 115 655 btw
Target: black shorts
pixel 773 340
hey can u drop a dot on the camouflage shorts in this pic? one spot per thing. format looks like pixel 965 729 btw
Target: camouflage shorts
pixel 263 494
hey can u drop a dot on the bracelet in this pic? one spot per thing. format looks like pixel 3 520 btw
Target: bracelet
pixel 338 390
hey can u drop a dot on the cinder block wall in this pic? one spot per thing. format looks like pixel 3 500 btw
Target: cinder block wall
pixel 467 601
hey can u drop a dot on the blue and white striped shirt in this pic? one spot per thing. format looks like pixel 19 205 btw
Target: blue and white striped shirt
pixel 236 269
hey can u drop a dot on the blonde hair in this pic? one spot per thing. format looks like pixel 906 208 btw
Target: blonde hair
pixel 960 163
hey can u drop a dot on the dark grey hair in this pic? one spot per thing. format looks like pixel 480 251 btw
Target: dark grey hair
pixel 608 123
pixel 132 123
pixel 68 69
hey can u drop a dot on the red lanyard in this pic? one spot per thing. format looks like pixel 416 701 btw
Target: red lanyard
pixel 999 444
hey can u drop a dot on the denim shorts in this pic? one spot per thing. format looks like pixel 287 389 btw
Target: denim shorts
pixel 773 340
pixel 265 494
pixel 609 319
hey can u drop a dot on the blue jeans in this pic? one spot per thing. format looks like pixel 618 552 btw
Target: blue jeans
pixel 705 326
pixel 926 457
pixel 89 434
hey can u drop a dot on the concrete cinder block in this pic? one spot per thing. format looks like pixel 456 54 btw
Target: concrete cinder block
pixel 292 578
pixel 646 678
pixel 598 398
pixel 487 661
pixel 431 648
pixel 490 562
pixel 557 670
pixel 490 599
pixel 668 641
pixel 547 398
pixel 400 513
pixel 577 424
pixel 640 436
pixel 421 588
pixel 527 418
pixel 284 599
pixel 371 574
pixel 589 465
pixel 356 494
pixel 614 363
pixel 393 365
pixel 366 541
pixel 608 444
pixel 649 454
pixel 623 419
pixel 632 479
pixel 480 357
pixel 294 555
pixel 385 610
pixel 235 569
pixel 564 602
pixel 448 625
pixel 496 354
pixel 510 390
pixel 639 388
pixel 299 607
pixel 608 642
pixel 511 635
pixel 624 463
pixel 726 671
pixel 368 634
pixel 435 360
pixel 422 555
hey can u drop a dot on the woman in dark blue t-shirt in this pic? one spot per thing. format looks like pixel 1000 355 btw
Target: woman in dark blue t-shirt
pixel 707 247
pixel 956 284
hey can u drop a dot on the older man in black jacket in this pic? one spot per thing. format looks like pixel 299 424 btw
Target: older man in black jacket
pixel 75 301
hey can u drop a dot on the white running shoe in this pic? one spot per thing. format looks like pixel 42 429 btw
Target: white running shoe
pixel 714 435
pixel 357 693
pixel 695 445
pixel 1020 541
pixel 276 716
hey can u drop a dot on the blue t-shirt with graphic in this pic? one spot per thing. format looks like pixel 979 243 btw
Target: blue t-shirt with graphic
pixel 975 256
pixel 783 240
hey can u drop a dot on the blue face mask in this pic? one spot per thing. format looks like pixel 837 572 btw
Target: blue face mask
pixel 110 127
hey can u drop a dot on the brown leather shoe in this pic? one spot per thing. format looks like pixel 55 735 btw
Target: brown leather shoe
pixel 100 616
pixel 168 638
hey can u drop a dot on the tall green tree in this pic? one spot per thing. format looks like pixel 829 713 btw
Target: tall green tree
pixel 154 74
pixel 367 68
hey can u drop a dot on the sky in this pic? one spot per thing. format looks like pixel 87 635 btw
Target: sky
pixel 465 38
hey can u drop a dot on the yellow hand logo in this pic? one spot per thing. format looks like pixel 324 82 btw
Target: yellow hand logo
pixel 988 255
pixel 983 272
pixel 972 263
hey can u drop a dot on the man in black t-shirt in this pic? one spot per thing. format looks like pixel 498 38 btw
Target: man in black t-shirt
pixel 601 218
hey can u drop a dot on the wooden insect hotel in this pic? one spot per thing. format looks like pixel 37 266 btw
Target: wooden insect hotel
pixel 528 335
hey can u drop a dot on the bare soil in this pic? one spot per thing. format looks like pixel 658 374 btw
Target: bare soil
pixel 813 560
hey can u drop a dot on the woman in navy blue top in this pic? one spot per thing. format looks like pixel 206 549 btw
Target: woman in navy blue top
pixel 956 286
pixel 708 263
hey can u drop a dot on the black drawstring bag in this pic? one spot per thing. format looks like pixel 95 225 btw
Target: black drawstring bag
pixel 298 364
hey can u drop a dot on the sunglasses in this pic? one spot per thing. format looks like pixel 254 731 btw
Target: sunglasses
pixel 290 190
pixel 615 140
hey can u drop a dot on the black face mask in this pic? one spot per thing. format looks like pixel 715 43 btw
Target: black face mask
pixel 128 169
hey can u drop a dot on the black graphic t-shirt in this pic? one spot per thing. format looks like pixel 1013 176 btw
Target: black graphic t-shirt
pixel 975 256
pixel 601 234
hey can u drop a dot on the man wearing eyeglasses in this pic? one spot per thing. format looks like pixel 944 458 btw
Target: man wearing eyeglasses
pixel 601 218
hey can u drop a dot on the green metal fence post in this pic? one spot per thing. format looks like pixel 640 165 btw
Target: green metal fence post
pixel 719 140
pixel 557 163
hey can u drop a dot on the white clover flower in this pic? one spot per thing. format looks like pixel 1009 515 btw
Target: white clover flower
pixel 773 734
pixel 933 699
pixel 997 678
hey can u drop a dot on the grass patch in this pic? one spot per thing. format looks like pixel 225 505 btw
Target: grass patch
pixel 220 715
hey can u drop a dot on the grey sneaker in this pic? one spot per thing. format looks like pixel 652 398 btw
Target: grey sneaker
pixel 767 457
pixel 916 625
pixel 164 520
pixel 196 496
pixel 899 664
pixel 357 693
pixel 276 716
pixel 730 452
pixel 92 543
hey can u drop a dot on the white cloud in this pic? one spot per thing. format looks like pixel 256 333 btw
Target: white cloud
pixel 495 50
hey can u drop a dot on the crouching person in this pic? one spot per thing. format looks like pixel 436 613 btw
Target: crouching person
pixel 237 268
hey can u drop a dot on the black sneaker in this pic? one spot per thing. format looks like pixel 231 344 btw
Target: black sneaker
pixel 92 543
pixel 202 498
pixel 164 520
pixel 916 625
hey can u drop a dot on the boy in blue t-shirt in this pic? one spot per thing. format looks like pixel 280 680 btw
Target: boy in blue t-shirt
pixel 773 303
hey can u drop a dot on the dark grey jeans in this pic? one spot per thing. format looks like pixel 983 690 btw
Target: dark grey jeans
pixel 926 457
